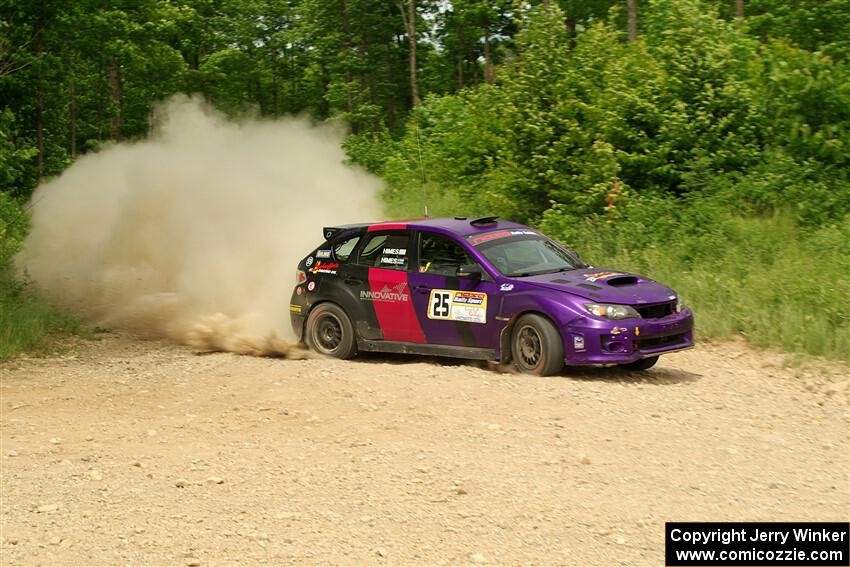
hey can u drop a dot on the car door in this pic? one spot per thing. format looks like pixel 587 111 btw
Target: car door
pixel 452 310
pixel 384 259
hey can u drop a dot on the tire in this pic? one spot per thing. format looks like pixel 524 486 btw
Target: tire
pixel 536 346
pixel 329 331
pixel 642 364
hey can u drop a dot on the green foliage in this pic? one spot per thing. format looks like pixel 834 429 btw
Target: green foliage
pixel 813 25
pixel 765 278
pixel 13 158
pixel 696 106
pixel 542 114
pixel 25 322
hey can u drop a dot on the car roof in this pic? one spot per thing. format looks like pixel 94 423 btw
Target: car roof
pixel 459 226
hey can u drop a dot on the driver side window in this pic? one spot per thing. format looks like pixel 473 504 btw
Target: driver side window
pixel 440 255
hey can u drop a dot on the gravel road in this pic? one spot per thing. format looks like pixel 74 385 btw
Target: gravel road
pixel 123 451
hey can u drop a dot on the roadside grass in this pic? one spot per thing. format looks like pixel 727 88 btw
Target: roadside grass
pixel 763 278
pixel 28 324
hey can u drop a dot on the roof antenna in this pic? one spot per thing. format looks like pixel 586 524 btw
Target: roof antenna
pixel 422 172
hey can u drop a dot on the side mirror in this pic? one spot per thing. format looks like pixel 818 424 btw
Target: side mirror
pixel 471 271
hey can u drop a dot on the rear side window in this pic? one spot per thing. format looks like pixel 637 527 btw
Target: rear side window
pixel 343 250
pixel 389 250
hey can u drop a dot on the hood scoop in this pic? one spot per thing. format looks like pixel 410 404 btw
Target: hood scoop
pixel 621 281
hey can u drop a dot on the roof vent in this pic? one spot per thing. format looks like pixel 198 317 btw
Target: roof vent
pixel 484 221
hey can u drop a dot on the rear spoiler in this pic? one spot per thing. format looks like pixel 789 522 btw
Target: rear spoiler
pixel 331 232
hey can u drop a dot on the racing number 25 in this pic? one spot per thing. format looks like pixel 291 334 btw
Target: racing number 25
pixel 440 304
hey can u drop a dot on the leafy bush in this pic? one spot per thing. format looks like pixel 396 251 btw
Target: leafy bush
pixel 25 322
pixel 767 278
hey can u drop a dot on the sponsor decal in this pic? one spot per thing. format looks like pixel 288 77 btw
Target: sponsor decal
pixel 452 305
pixel 298 290
pixel 637 331
pixel 398 292
pixel 311 286
pixel 506 287
pixel 294 308
pixel 578 342
pixel 482 238
pixel 600 276
pixel 323 254
pixel 325 267
pixel 618 330
pixel 328 234
pixel 393 256
pixel 309 262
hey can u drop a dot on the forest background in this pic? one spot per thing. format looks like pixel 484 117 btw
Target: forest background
pixel 704 143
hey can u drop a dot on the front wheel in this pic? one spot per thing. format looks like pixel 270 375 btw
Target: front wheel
pixel 536 346
pixel 642 364
pixel 329 331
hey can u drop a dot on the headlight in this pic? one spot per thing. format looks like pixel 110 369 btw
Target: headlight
pixel 679 305
pixel 609 311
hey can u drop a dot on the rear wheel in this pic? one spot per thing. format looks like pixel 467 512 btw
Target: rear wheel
pixel 536 346
pixel 642 364
pixel 329 331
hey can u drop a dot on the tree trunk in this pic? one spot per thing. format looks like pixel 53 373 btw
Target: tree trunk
pixel 391 101
pixel 349 102
pixel 488 59
pixel 114 79
pixel 39 94
pixel 72 111
pixel 461 58
pixel 409 17
pixel 39 130
pixel 632 9
pixel 739 9
pixel 571 31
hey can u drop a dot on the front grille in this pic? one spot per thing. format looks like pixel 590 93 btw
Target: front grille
pixel 657 311
pixel 658 342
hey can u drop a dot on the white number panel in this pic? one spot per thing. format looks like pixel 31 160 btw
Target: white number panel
pixel 452 305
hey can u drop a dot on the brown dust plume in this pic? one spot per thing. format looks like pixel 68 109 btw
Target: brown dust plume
pixel 194 234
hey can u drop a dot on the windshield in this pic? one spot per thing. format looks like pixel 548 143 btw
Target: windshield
pixel 527 255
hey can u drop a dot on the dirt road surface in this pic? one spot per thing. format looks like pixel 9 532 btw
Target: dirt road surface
pixel 127 452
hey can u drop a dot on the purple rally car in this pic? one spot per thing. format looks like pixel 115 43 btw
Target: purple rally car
pixel 479 289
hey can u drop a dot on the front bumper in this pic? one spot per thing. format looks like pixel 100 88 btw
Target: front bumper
pixel 589 341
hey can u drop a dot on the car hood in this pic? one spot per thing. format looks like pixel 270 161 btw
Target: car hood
pixel 604 286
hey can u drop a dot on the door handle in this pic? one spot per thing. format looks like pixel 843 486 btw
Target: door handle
pixel 353 281
pixel 422 289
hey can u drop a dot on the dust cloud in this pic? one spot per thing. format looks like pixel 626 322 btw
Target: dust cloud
pixel 194 234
